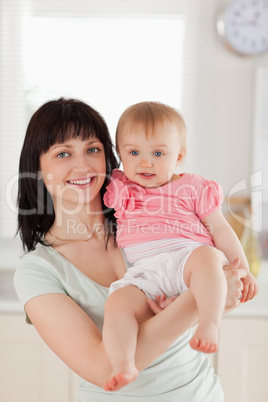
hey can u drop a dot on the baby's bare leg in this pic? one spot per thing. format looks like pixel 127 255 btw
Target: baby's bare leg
pixel 124 310
pixel 203 273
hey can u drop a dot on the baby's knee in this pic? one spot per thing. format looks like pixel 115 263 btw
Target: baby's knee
pixel 208 254
pixel 121 298
pixel 217 255
pixel 113 301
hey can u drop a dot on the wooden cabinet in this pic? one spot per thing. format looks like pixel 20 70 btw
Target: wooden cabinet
pixel 242 359
pixel 29 370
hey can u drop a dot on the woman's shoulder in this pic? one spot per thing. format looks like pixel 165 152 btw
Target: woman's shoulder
pixel 41 253
pixel 37 273
pixel 44 261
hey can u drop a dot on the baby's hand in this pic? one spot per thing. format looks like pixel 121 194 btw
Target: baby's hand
pixel 250 287
pixel 160 303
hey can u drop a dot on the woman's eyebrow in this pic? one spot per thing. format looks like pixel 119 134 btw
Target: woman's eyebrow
pixel 93 141
pixel 60 146
pixel 66 145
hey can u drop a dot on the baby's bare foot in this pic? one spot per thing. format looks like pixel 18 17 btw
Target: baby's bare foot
pixel 120 380
pixel 205 339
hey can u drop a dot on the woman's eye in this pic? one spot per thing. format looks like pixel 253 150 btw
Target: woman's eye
pixel 93 150
pixel 158 153
pixel 134 153
pixel 63 155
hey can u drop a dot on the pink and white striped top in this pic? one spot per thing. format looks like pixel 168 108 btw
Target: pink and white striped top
pixel 152 220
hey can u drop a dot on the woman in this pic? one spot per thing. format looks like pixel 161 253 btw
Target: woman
pixel 72 259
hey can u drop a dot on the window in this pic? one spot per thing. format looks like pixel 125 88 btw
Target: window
pixel 108 59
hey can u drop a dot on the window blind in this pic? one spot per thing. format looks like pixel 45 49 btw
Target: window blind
pixel 108 53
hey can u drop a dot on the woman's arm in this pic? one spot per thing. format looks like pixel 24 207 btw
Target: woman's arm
pixel 75 339
pixel 70 334
pixel 73 336
pixel 226 240
pixel 234 278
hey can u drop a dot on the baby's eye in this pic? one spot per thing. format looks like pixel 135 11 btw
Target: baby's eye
pixel 158 153
pixel 134 153
pixel 63 155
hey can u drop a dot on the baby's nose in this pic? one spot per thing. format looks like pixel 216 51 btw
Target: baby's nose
pixel 146 162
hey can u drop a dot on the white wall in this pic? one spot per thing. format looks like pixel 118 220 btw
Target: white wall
pixel 222 117
pixel 218 90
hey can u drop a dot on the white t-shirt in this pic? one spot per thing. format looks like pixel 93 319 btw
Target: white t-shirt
pixel 181 374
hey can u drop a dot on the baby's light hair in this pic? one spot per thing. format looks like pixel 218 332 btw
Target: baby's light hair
pixel 150 114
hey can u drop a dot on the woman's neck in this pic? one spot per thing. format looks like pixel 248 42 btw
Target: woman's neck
pixel 78 222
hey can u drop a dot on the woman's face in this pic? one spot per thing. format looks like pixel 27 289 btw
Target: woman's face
pixel 74 172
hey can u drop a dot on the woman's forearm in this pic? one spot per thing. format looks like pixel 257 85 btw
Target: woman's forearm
pixel 159 332
pixel 55 315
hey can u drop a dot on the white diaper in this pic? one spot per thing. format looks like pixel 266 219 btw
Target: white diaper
pixel 158 274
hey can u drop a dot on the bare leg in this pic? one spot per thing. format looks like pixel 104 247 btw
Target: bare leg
pixel 203 273
pixel 124 310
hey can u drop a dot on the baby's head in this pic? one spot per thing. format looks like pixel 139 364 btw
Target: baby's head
pixel 151 142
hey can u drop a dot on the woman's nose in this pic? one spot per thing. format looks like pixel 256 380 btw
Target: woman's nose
pixel 81 163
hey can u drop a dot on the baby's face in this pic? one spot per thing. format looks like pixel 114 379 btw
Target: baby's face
pixel 149 160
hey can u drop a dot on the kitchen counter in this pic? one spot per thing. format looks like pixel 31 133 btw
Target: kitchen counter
pixel 10 250
pixel 9 303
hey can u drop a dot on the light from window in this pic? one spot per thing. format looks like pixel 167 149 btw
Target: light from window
pixel 108 63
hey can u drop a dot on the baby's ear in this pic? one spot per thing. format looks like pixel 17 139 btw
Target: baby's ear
pixel 180 157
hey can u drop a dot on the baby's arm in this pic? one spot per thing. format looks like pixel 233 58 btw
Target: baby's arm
pixel 226 240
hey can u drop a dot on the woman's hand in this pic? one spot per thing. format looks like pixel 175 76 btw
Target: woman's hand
pixel 250 288
pixel 234 276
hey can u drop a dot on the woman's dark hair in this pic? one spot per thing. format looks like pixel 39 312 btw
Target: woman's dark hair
pixel 55 122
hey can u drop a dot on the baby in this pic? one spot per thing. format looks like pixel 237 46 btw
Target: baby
pixel 172 230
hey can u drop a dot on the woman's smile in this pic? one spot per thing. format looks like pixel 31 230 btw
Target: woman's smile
pixel 81 183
